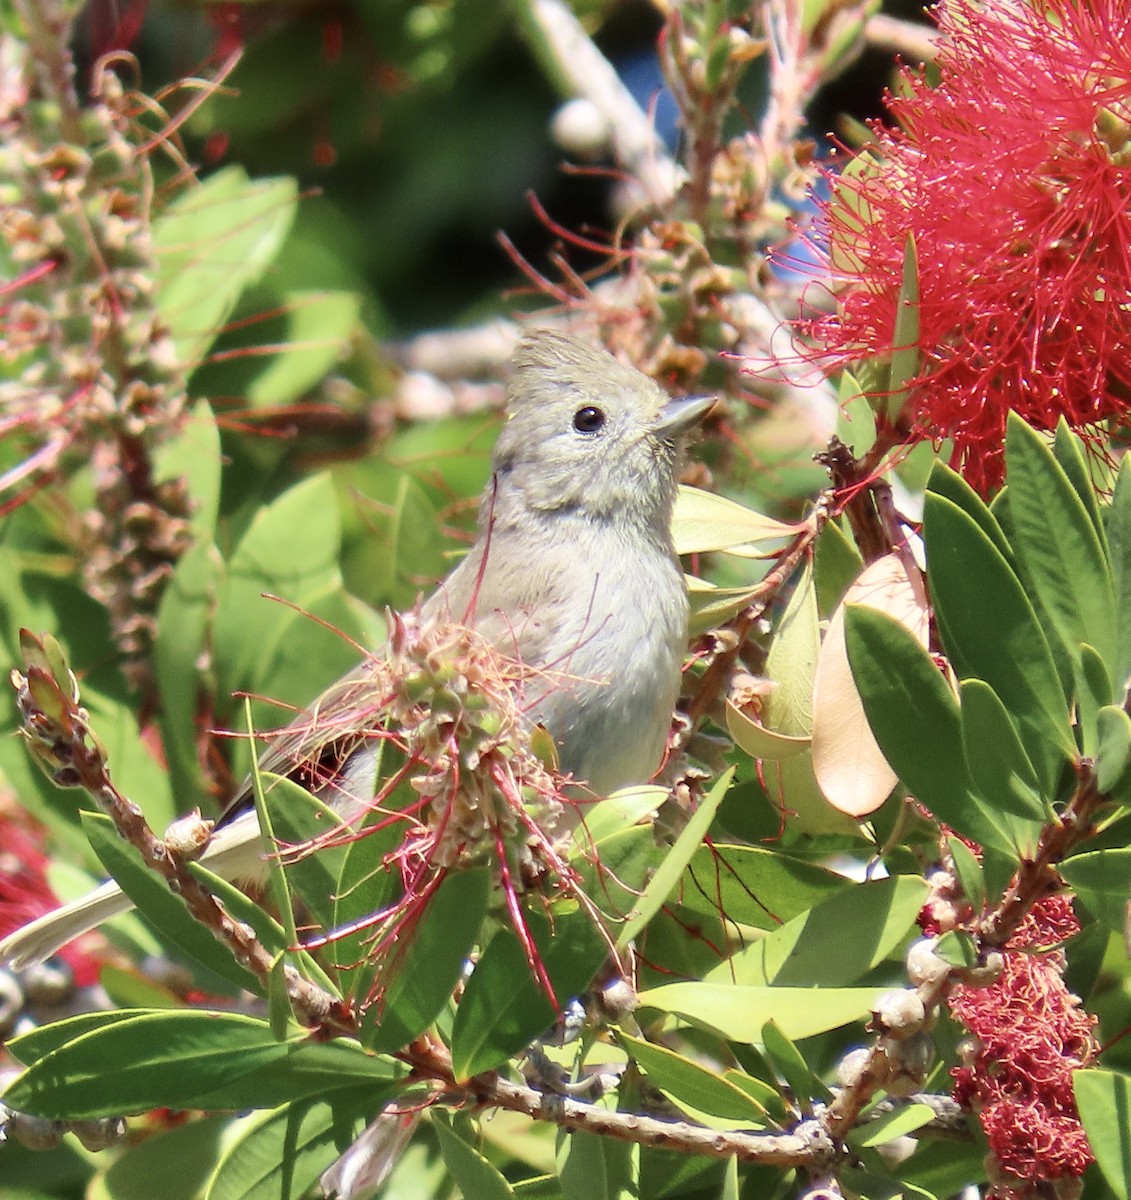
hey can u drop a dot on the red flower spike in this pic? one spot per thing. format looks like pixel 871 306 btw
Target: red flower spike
pixel 1013 178
pixel 1031 1035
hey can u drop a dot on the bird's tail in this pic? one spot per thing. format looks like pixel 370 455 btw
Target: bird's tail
pixel 235 852
pixel 51 932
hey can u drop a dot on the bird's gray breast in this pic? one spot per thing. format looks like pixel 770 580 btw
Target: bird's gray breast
pixel 601 612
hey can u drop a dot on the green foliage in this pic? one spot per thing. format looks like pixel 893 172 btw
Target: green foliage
pixel 765 927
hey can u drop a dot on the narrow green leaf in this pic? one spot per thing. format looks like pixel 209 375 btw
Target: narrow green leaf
pixel 792 661
pixel 591 1167
pixel 40 1041
pixel 740 1013
pixel 791 1065
pixel 1104 1102
pixel 173 1057
pixel 701 1091
pixel 504 1007
pixel 946 482
pixel 751 885
pixel 705 521
pixel 176 1161
pixel 158 905
pixel 969 872
pixel 905 337
pixel 999 767
pixel 1058 547
pixel 667 876
pixel 295 821
pixel 911 708
pixel 183 619
pixel 1068 450
pixel 1093 692
pixel 855 422
pixel 279 1155
pixel 423 976
pixel 1113 746
pixel 1119 540
pixel 892 1125
pixel 991 632
pixel 210 243
pixel 836 563
pixel 473 1174
pixel 278 1002
pixel 1102 881
pixel 833 944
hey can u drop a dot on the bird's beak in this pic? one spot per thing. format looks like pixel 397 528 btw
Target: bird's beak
pixel 680 414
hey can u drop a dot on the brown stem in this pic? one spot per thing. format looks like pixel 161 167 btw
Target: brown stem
pixel 806 1147
pixel 865 499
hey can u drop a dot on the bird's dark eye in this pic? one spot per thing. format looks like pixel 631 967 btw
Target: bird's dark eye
pixel 588 419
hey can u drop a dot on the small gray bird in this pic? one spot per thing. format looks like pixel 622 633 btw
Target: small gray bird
pixel 573 572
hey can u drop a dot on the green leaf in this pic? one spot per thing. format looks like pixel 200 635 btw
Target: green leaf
pixel 836 563
pixel 910 707
pixel 713 606
pixel 751 885
pixel 1068 450
pixel 622 810
pixel 314 333
pixel 856 427
pixel 702 1092
pixel 1100 879
pixel 833 944
pixel 279 1155
pixel 184 617
pixel 164 910
pixel 1000 770
pixel 173 1056
pixel 178 1161
pixel 905 337
pixel 472 1173
pixel 1104 1102
pixel 705 522
pixel 1113 746
pixel 504 1007
pixel 1058 548
pixel 193 455
pixel 792 661
pixel 946 482
pixel 992 633
pixel 367 885
pixel 40 1041
pixel 296 820
pixel 892 1125
pixel 289 550
pixel 423 974
pixel 1093 692
pixel 210 243
pixel 667 875
pixel 740 1013
pixel 308 1069
pixel 597 1168
pixel 969 872
pixel 1119 539
pixel 791 1065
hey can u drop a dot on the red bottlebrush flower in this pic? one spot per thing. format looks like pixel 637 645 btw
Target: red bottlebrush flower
pixel 25 893
pixel 1031 1035
pixel 1013 178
